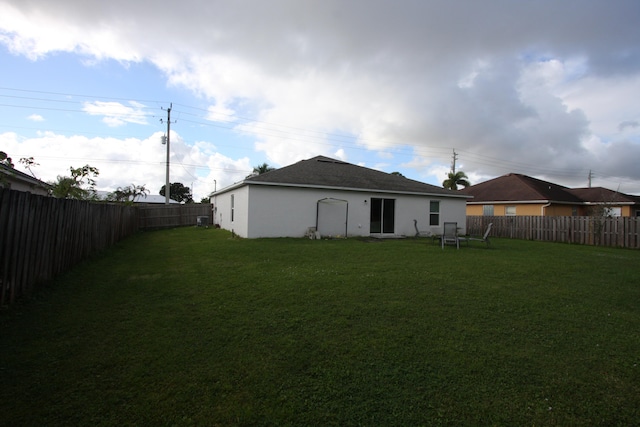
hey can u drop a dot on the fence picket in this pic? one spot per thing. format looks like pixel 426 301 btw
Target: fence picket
pixel 616 232
pixel 41 237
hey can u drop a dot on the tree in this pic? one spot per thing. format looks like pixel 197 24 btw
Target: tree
pixel 455 179
pixel 205 200
pixel 5 159
pixel 178 192
pixel 397 173
pixel 260 169
pixel 81 185
pixel 28 163
pixel 127 194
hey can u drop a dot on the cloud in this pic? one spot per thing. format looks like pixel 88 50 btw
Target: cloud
pixel 340 155
pixel 117 114
pixel 36 118
pixel 220 113
pixel 524 87
pixel 628 124
pixel 122 162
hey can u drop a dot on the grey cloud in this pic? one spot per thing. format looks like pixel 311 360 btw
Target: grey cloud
pixel 426 32
pixel 628 124
pixel 413 52
pixel 619 166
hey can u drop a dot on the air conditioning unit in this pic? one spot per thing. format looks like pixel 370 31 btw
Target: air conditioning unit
pixel 202 221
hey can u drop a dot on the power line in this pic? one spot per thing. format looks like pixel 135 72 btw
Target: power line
pixel 240 124
pixel 81 95
pixel 264 129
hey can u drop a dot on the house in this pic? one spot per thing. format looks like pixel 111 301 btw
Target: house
pixel 20 181
pixel 515 194
pixel 334 198
pixel 149 199
pixel 154 199
pixel 613 203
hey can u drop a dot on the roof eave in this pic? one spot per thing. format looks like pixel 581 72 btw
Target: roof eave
pixel 611 203
pixel 524 202
pixel 228 188
pixel 329 187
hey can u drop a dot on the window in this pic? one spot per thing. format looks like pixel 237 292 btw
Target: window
pixel 487 210
pixel 232 206
pixel 613 212
pixel 510 210
pixel 434 212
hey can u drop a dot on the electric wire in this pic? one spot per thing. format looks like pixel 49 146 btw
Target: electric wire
pixel 261 128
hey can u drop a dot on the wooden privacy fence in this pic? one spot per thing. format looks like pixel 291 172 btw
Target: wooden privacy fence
pixel 41 237
pixel 166 216
pixel 586 230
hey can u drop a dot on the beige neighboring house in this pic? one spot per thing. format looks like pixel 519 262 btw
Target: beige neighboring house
pixel 521 195
pixel 20 181
pixel 613 202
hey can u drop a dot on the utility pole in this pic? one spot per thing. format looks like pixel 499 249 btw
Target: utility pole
pixel 167 186
pixel 590 176
pixel 453 161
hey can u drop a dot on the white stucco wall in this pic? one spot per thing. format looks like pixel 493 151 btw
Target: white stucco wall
pixel 273 211
pixel 222 210
pixel 18 185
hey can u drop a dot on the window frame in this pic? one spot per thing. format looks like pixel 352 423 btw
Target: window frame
pixel 486 209
pixel 434 214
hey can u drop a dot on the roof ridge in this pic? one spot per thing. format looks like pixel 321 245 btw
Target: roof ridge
pixel 323 171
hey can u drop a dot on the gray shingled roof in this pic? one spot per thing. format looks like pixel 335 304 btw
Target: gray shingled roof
pixel 323 171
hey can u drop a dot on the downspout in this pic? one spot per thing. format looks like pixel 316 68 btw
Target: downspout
pixel 346 222
pixel 543 208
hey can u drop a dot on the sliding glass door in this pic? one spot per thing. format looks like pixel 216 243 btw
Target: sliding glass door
pixel 383 215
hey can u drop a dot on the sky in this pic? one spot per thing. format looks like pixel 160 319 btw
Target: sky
pixel 544 88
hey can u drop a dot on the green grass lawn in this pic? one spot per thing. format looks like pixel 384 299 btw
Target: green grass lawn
pixel 192 327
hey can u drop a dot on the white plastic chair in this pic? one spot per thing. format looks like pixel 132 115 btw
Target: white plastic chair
pixel 484 238
pixel 450 234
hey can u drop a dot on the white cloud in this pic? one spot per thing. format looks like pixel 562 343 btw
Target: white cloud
pixel 117 114
pixel 220 113
pixel 340 155
pixel 128 161
pixel 36 118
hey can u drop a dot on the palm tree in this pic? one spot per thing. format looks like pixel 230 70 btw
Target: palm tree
pixel 260 169
pixel 455 179
pixel 128 194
